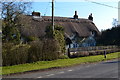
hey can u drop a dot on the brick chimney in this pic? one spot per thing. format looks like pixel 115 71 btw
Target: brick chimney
pixel 37 14
pixel 75 16
pixel 90 17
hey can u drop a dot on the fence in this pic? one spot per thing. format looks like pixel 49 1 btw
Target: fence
pixel 93 48
pixel 96 50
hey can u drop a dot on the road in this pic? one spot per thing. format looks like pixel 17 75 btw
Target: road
pixel 106 69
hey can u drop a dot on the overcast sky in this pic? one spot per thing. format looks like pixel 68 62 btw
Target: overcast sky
pixel 103 11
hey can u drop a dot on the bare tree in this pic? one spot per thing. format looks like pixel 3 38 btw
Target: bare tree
pixel 10 14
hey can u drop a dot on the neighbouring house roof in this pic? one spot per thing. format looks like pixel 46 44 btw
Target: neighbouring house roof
pixel 36 26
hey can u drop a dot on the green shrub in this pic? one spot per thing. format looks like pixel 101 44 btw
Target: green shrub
pixel 45 50
pixel 31 38
pixel 58 35
pixel 6 49
pixel 14 54
pixel 20 54
pixel 60 38
pixel 35 51
pixel 50 49
pixel 10 33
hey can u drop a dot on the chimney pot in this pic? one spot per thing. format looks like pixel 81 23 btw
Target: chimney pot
pixel 90 17
pixel 75 16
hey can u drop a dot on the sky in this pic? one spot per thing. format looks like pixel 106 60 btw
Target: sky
pixel 102 15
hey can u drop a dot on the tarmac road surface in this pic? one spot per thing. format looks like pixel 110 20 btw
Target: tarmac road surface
pixel 105 69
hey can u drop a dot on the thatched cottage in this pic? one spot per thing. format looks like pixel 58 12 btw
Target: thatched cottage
pixel 78 31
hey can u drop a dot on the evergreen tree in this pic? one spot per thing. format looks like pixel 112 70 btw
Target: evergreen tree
pixel 110 37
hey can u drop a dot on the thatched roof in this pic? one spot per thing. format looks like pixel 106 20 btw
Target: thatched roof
pixel 36 26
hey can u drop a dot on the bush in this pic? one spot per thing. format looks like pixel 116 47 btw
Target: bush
pixel 31 38
pixel 45 50
pixel 50 49
pixel 14 54
pixel 35 51
pixel 58 35
pixel 6 49
pixel 20 54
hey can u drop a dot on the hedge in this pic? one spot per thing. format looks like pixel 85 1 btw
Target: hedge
pixel 45 50
pixel 14 54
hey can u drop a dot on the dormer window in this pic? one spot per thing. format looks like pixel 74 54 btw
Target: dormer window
pixel 93 33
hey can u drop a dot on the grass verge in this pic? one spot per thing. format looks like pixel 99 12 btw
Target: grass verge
pixel 56 63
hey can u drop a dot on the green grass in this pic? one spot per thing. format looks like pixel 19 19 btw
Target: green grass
pixel 56 63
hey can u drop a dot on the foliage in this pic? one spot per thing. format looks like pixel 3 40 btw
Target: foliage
pixel 110 37
pixel 26 53
pixel 43 50
pixel 57 34
pixel 31 38
pixel 10 13
pixel 49 32
pixel 50 49
pixel 14 54
pixel 11 34
pixel 47 49
pixel 35 51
